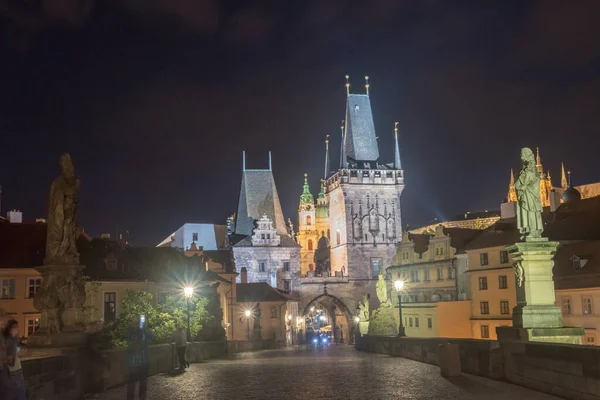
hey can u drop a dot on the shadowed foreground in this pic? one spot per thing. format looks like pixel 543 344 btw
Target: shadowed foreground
pixel 336 372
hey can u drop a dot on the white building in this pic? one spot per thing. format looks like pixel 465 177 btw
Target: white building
pixel 207 236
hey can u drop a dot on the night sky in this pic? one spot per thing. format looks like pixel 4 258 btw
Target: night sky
pixel 156 99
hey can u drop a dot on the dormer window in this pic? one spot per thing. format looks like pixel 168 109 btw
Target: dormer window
pixel 578 262
pixel 111 264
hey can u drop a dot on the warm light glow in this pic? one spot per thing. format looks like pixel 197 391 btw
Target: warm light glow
pixel 247 313
pixel 322 318
pixel 356 319
pixel 312 309
pixel 188 291
pixel 399 285
pixel 289 317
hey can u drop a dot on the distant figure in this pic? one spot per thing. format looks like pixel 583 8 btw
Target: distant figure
pixel 343 271
pixel 3 358
pixel 15 383
pixel 180 338
pixel 137 357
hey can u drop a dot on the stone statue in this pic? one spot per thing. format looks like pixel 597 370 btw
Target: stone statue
pixel 363 309
pixel 290 229
pixel 529 205
pixel 62 233
pixel 381 288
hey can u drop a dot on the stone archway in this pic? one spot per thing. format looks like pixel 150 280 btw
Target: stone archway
pixel 339 314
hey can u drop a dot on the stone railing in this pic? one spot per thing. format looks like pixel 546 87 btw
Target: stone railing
pixel 568 371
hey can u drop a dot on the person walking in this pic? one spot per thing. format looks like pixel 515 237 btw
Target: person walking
pixel 15 380
pixel 181 344
pixel 137 357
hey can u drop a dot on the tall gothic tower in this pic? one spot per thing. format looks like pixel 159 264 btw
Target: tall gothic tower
pixel 363 196
pixel 308 235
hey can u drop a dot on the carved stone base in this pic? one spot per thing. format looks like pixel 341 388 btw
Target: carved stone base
pixel 382 322
pixel 363 327
pixel 64 339
pixel 547 335
pixel 540 316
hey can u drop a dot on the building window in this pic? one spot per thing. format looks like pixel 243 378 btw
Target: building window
pixel 590 339
pixel 414 276
pixel 429 323
pixel 287 285
pixel 110 306
pixel 308 220
pixel 162 298
pixel 410 321
pixel 504 257
pixel 483 259
pixel 502 282
pixel 566 306
pixel 262 266
pixel 485 332
pixel 33 324
pixel 8 289
pixel 440 272
pixel 504 307
pixel 286 265
pixel 268 236
pixel 426 275
pixel 262 236
pixel 366 237
pixel 483 283
pixel 416 322
pixel 274 313
pixel 375 266
pixel 33 287
pixel 338 238
pixel 452 273
pixel 310 244
pixel 195 237
pixel 586 305
pixel 484 307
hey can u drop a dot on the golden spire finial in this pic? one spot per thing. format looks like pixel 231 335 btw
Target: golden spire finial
pixel 396 129
pixel 348 85
pixel 367 84
pixel 342 126
pixel 326 138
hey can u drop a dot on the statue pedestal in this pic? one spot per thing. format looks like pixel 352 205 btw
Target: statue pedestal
pixel 60 301
pixel 382 321
pixel 363 327
pixel 536 318
pixel 535 286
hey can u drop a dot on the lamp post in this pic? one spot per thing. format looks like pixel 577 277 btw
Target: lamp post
pixel 188 292
pixel 399 285
pixel 247 313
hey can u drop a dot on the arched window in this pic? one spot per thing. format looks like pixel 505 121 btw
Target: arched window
pixel 310 246
pixel 308 220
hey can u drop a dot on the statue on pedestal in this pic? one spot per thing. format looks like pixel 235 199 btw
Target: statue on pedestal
pixel 381 288
pixel 382 322
pixel 529 204
pixel 363 309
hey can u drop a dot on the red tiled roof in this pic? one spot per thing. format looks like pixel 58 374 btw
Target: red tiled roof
pixel 22 245
pixel 261 291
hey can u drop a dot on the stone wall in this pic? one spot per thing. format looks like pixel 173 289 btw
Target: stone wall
pixel 477 357
pixel 568 371
pixel 69 377
pixel 240 346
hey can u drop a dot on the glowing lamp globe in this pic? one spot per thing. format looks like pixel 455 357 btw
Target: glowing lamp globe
pixel 399 285
pixel 188 291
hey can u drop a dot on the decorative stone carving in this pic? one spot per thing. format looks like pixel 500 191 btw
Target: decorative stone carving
pixel 519 272
pixel 363 309
pixel 265 234
pixel 381 288
pixel 382 322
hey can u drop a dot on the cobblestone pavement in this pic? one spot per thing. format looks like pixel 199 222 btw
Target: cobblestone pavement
pixel 336 372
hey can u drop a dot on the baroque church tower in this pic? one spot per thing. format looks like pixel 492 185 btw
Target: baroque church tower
pixel 363 196
pixel 308 235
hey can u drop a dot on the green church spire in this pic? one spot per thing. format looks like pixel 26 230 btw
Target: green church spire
pixel 306 196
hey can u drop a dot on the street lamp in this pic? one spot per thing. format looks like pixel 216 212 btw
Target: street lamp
pixel 188 292
pixel 248 313
pixel 356 319
pixel 399 285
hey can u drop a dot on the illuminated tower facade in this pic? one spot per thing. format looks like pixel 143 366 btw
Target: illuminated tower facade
pixel 307 235
pixel 363 196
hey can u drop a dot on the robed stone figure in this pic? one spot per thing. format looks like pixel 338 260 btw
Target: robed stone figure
pixel 61 247
pixel 529 204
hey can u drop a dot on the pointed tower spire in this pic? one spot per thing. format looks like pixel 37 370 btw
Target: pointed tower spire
pixel 347 85
pixel 270 163
pixel 243 160
pixel 512 193
pixel 306 197
pixel 326 157
pixel 563 177
pixel 397 148
pixel 538 162
pixel 343 161
pixel 367 84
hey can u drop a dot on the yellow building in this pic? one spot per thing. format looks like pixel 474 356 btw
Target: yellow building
pixel 433 302
pixel 491 282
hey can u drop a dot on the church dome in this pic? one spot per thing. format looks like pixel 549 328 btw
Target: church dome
pixel 571 194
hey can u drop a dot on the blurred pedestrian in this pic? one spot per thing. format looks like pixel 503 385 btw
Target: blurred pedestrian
pixel 137 357
pixel 16 380
pixel 180 338
pixel 4 381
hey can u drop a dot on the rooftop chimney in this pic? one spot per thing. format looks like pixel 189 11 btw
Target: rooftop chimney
pixel 244 275
pixel 14 217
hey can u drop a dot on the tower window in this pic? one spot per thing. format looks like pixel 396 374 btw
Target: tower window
pixel 310 244
pixel 308 220
pixel 195 237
